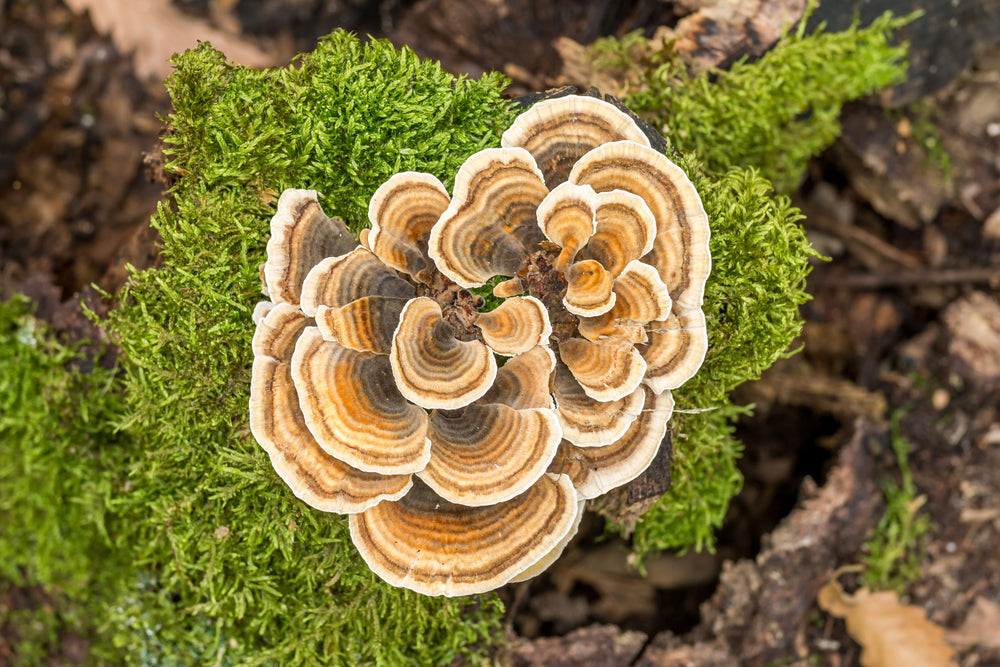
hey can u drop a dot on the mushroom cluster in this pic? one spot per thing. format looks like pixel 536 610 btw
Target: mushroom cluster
pixel 376 386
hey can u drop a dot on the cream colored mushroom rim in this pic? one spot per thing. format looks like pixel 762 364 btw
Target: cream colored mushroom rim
pixel 376 386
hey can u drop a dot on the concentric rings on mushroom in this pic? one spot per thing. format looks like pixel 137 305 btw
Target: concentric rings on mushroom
pixel 463 441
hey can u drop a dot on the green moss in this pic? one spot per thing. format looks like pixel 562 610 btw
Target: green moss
pixel 773 113
pixel 238 561
pixel 61 464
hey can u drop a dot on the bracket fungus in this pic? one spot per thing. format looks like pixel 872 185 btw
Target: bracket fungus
pixel 376 386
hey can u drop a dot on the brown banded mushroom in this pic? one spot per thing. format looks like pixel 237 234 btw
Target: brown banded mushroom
pixel 277 423
pixel 676 349
pixel 523 382
pixel 486 454
pixel 680 249
pixel 559 132
pixel 515 326
pixel 589 289
pixel 490 225
pixel 567 218
pixel 431 367
pixel 587 422
pixel 376 390
pixel 597 470
pixel 429 545
pixel 337 281
pixel 640 297
pixel 354 410
pixel 301 235
pixel 607 370
pixel 402 212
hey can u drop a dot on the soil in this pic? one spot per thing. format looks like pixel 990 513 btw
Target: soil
pixel 905 318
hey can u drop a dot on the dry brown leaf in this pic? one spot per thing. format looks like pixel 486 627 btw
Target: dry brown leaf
pixel 891 634
pixel 981 626
pixel 154 30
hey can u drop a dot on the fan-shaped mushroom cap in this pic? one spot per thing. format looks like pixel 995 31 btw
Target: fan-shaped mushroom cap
pixel 486 454
pixel 301 235
pixel 589 289
pixel 597 470
pixel 553 555
pixel 676 349
pixel 278 425
pixel 432 368
pixel 680 250
pixel 365 325
pixel 490 225
pixel 434 547
pixel 402 212
pixel 625 230
pixel 589 423
pixel 515 326
pixel 559 131
pixel 337 281
pixel 523 382
pixel 566 217
pixel 641 297
pixel 607 370
pixel 353 409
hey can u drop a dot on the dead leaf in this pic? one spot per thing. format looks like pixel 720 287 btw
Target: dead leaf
pixel 891 634
pixel 154 30
pixel 981 627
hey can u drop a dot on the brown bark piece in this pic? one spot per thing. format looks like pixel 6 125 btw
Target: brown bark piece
pixel 595 646
pixel 973 325
pixel 760 606
pixel 890 170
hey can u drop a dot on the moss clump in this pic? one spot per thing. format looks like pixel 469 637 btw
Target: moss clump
pixel 237 561
pixel 773 113
pixel 62 463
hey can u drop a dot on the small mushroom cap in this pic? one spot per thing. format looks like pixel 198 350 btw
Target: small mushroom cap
pixel 553 555
pixel 523 382
pixel 515 326
pixel 490 225
pixel 434 547
pixel 589 289
pixel 559 131
pixel 402 212
pixel 301 235
pixel 365 325
pixel 277 423
pixel 641 297
pixel 680 249
pixel 337 281
pixel 597 470
pixel 625 230
pixel 587 422
pixel 353 409
pixel 607 370
pixel 676 349
pixel 432 368
pixel 486 454
pixel 566 217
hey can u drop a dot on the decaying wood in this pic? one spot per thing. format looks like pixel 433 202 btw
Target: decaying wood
pixel 973 328
pixel 595 645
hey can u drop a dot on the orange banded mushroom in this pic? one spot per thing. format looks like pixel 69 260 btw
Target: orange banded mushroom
pixel 515 326
pixel 337 281
pixel 589 290
pixel 641 297
pixel 676 349
pixel 559 132
pixel 490 225
pixel 597 470
pixel 276 421
pixel 587 422
pixel 567 218
pixel 301 235
pixel 431 367
pixel 354 410
pixel 431 546
pixel 365 324
pixel 486 454
pixel 607 370
pixel 523 382
pixel 402 212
